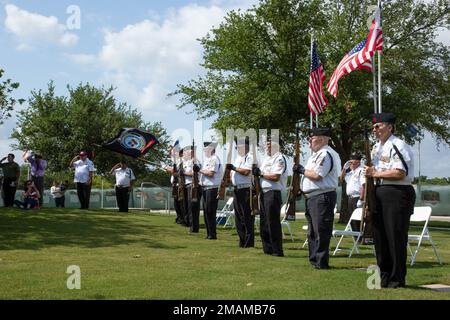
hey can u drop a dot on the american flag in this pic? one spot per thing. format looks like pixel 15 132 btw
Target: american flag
pixel 360 57
pixel 316 95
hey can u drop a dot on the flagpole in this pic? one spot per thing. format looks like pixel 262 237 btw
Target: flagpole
pixel 374 86
pixel 310 111
pixel 379 68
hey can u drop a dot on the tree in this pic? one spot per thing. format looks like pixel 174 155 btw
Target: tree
pixel 257 68
pixel 59 127
pixel 6 101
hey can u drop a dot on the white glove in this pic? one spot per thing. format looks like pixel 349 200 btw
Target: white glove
pixel 360 203
pixel 347 165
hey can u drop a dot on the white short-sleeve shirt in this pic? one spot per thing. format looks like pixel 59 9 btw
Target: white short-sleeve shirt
pixel 275 164
pixel 355 179
pixel 325 163
pixel 212 164
pixel 384 157
pixel 124 177
pixel 243 162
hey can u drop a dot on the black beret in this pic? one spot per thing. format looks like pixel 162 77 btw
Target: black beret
pixel 356 156
pixel 383 117
pixel 320 132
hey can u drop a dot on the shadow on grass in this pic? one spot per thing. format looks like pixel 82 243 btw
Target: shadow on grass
pixel 32 230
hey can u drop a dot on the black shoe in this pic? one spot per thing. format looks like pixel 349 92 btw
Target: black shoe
pixel 212 238
pixel 321 267
pixel 277 254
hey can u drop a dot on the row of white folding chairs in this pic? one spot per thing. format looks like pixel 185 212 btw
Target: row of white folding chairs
pixel 421 214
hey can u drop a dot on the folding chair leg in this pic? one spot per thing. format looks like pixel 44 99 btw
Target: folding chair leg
pixel 355 246
pixel 305 243
pixel 435 251
pixel 290 232
pixel 337 246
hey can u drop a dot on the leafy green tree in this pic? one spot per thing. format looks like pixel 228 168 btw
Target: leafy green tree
pixel 59 127
pixel 257 68
pixel 6 101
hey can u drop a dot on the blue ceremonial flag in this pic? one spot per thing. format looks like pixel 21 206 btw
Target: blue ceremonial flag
pixel 132 142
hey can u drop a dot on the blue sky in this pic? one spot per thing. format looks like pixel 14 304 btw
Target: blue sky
pixel 144 48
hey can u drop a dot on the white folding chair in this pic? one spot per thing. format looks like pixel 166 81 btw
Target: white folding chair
pixel 285 223
pixel 421 214
pixel 356 216
pixel 227 213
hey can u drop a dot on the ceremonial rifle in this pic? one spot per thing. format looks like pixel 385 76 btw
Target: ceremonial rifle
pixel 369 194
pixel 294 189
pixel 175 177
pixel 195 180
pixel 255 193
pixel 226 175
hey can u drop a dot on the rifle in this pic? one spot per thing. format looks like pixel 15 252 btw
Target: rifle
pixel 294 188
pixel 181 183
pixel 175 182
pixel 226 175
pixel 255 192
pixel 195 180
pixel 369 194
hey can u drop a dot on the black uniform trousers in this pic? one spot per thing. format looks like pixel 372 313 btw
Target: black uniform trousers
pixel 9 192
pixel 394 207
pixel 245 221
pixel 122 197
pixel 320 216
pixel 180 206
pixel 84 194
pixel 39 183
pixel 210 203
pixel 194 209
pixel 270 225
pixel 352 205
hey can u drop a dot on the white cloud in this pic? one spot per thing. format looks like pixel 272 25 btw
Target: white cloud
pixel 32 29
pixel 147 59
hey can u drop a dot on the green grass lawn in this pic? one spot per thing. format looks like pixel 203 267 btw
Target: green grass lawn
pixel 147 256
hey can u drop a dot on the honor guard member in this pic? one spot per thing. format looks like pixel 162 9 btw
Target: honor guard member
pixel 353 174
pixel 176 154
pixel 273 180
pixel 241 179
pixel 191 164
pixel 393 172
pixel 211 176
pixel 124 184
pixel 84 173
pixel 319 183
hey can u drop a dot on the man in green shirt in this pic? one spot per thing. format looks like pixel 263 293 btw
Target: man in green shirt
pixel 11 174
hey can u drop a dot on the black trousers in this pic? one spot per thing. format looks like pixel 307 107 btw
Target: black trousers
pixel 245 221
pixel 9 192
pixel 320 216
pixel 394 207
pixel 122 197
pixel 179 210
pixel 182 205
pixel 194 209
pixel 210 203
pixel 39 183
pixel 270 225
pixel 84 194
